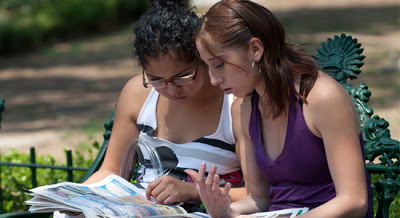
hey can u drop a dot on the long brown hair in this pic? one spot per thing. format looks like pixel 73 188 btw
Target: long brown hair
pixel 234 23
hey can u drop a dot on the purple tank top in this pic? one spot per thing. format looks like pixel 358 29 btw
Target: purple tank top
pixel 300 175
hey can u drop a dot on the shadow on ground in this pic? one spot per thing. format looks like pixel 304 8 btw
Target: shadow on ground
pixel 67 84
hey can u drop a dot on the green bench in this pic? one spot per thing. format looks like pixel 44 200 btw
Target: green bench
pixel 341 58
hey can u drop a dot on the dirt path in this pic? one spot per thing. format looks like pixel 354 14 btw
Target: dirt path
pixel 60 96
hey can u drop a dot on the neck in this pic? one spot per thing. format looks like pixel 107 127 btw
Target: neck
pixel 264 103
pixel 260 89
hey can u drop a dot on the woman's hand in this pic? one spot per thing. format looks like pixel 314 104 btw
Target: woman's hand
pixel 168 190
pixel 216 201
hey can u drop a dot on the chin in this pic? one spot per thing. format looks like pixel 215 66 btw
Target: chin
pixel 238 95
pixel 241 94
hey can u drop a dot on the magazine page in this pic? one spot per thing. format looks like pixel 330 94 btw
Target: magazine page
pixel 286 213
pixel 112 196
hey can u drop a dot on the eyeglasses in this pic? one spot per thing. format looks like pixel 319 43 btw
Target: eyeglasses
pixel 178 81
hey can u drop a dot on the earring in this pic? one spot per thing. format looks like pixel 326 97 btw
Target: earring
pixel 252 69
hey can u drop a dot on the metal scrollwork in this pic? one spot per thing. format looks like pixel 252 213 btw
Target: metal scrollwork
pixel 341 58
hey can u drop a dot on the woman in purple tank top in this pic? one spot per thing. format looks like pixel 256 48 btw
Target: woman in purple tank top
pixel 298 133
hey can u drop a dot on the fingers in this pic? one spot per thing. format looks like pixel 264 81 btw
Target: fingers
pixel 162 196
pixel 192 174
pixel 215 185
pixel 152 186
pixel 226 189
pixel 168 190
pixel 210 178
pixel 163 188
pixel 200 176
pixel 211 184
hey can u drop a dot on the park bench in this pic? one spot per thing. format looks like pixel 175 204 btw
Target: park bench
pixel 341 58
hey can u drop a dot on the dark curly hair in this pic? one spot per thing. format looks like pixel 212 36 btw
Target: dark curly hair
pixel 166 27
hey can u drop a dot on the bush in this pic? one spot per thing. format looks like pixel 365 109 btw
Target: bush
pixel 14 180
pixel 27 24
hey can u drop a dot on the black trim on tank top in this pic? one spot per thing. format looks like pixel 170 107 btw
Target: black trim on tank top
pixel 145 128
pixel 301 89
pixel 216 143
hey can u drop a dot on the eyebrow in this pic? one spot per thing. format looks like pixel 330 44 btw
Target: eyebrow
pixel 176 75
pixel 216 57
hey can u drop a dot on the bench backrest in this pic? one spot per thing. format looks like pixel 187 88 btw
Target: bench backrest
pixel 341 58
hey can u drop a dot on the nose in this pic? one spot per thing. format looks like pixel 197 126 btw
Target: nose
pixel 171 88
pixel 215 78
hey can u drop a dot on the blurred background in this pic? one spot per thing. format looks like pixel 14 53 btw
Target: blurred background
pixel 63 63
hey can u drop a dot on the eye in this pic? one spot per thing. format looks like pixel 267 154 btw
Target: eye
pixel 218 64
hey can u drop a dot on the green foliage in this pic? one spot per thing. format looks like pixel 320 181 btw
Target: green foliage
pixel 26 24
pixel 15 179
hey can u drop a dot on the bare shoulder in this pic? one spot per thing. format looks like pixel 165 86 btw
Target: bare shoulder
pixel 241 107
pixel 329 104
pixel 133 96
pixel 135 86
pixel 241 110
pixel 327 91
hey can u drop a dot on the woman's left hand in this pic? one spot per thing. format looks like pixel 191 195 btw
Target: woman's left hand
pixel 216 201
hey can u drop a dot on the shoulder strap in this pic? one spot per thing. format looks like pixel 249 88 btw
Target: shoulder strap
pixel 300 90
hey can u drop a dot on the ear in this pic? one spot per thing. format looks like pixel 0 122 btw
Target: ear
pixel 256 48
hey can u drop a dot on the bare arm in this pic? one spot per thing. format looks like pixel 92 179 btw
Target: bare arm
pixel 124 129
pixel 257 186
pixel 332 116
pixel 217 201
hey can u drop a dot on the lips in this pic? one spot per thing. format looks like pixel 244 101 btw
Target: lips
pixel 178 99
pixel 228 91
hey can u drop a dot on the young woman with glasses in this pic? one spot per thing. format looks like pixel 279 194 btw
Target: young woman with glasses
pixel 173 106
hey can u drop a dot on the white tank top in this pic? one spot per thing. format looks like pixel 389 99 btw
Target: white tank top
pixel 215 149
